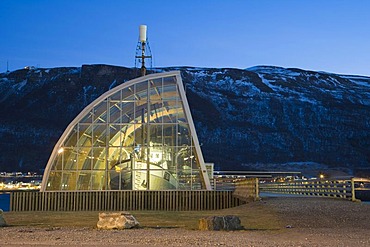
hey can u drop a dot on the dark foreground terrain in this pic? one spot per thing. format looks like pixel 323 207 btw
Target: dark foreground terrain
pixel 274 221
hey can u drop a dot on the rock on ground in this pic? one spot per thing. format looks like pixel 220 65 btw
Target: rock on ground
pixel 2 220
pixel 120 220
pixel 216 223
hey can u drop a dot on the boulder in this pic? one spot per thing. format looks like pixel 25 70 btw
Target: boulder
pixel 2 220
pixel 119 220
pixel 217 223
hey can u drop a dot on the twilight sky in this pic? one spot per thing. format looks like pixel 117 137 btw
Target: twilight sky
pixel 323 35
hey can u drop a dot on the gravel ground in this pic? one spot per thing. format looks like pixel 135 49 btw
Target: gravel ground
pixel 304 222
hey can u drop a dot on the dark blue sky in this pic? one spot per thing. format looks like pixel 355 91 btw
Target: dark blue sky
pixel 325 35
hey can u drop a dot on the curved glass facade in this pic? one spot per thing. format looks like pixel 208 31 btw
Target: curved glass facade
pixel 137 136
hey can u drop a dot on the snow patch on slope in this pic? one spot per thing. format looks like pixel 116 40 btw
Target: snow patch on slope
pixel 267 83
pixel 20 85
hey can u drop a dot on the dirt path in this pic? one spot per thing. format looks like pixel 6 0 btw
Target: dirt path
pixel 303 222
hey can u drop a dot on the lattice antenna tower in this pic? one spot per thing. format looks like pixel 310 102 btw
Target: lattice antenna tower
pixel 143 50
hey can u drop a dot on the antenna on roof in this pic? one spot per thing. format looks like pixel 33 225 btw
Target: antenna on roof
pixel 141 52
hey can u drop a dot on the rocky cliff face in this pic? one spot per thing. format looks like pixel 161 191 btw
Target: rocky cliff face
pixel 259 118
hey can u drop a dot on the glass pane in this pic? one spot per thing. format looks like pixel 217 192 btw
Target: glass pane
pixel 169 134
pixel 141 90
pixel 100 113
pixel 155 89
pixel 58 163
pixel 169 80
pixel 99 158
pixel 69 158
pixel 156 83
pixel 120 179
pixel 71 140
pixel 71 162
pixel 98 180
pixel 128 109
pixel 141 110
pixel 170 111
pixel 84 181
pixel 174 108
pixel 54 181
pixel 140 134
pixel 119 156
pixel 156 134
pixel 170 93
pixel 156 111
pixel 115 97
pixel 114 157
pixel 191 159
pixel 128 135
pixel 128 94
pixel 84 135
pixel 84 158
pixel 88 118
pixel 69 180
pixel 181 118
pixel 196 182
pixel 184 137
pixel 114 113
pixel 115 135
pixel 127 153
pixel 99 135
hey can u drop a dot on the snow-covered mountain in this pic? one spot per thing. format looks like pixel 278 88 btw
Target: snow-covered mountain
pixel 259 118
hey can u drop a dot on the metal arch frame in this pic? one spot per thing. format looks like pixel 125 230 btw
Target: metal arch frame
pixel 105 95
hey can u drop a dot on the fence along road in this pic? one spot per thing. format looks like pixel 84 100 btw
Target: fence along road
pixel 342 188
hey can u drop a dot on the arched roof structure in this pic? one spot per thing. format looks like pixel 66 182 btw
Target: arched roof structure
pixel 137 136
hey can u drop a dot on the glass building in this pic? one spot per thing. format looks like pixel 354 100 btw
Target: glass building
pixel 137 136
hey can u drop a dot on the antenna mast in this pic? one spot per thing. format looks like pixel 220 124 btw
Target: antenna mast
pixel 141 52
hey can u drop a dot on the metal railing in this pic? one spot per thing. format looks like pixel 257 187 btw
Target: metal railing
pixel 326 188
pixel 122 200
pixel 227 193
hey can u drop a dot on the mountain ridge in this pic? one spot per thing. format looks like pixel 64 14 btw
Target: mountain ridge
pixel 244 117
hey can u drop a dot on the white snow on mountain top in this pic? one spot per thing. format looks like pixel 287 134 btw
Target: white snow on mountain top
pixel 359 80
pixel 264 67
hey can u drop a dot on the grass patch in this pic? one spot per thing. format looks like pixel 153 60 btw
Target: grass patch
pixel 253 216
